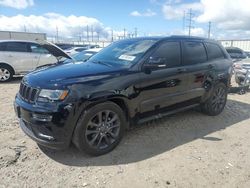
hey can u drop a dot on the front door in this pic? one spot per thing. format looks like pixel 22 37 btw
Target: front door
pixel 167 84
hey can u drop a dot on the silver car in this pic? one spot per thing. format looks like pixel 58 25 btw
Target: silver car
pixel 20 57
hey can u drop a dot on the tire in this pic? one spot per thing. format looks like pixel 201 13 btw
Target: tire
pixel 100 129
pixel 217 101
pixel 6 73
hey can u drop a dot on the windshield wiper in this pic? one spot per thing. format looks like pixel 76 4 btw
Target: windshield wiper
pixel 102 63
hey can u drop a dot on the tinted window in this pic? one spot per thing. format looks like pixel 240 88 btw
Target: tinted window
pixel 194 52
pixel 214 51
pixel 169 53
pixel 17 47
pixel 2 46
pixel 35 48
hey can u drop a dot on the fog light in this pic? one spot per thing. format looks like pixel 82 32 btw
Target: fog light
pixel 42 117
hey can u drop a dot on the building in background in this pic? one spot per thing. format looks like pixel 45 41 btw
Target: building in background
pixel 7 35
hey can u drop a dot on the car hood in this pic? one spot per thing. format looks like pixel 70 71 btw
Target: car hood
pixel 61 75
pixel 53 49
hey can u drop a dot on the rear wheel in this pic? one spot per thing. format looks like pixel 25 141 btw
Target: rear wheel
pixel 217 101
pixel 100 129
pixel 6 73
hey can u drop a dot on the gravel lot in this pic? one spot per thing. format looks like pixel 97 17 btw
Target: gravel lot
pixel 188 149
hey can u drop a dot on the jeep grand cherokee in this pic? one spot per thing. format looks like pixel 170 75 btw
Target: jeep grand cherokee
pixel 130 81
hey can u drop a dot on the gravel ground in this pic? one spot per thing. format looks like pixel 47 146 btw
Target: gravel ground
pixel 187 149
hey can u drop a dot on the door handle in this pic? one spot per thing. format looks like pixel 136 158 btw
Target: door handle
pixel 210 66
pixel 181 70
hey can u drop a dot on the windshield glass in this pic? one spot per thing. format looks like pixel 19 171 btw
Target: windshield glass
pixel 124 53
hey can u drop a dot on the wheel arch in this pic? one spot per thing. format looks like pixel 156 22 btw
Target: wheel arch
pixel 6 64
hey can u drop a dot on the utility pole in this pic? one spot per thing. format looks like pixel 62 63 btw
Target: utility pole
pixel 24 27
pixel 98 36
pixel 190 21
pixel 87 33
pixel 135 32
pixel 56 34
pixel 124 33
pixel 92 33
pixel 112 35
pixel 209 29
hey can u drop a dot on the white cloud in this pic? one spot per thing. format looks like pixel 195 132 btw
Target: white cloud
pixel 227 14
pixel 147 13
pixel 18 4
pixel 68 26
pixel 172 11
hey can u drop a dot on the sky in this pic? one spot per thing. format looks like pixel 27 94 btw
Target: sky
pixel 230 19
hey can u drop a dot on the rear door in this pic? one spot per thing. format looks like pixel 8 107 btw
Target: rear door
pixel 167 84
pixel 195 61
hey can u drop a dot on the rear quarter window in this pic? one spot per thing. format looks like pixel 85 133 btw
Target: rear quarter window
pixel 194 53
pixel 214 51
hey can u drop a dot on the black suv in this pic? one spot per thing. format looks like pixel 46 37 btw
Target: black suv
pixel 131 81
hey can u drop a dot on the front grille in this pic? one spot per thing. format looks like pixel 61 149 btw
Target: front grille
pixel 28 93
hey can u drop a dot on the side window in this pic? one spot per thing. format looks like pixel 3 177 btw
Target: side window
pixel 214 51
pixel 168 53
pixel 193 53
pixel 16 47
pixel 2 46
pixel 36 48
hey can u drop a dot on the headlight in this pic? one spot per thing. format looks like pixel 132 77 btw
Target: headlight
pixel 52 95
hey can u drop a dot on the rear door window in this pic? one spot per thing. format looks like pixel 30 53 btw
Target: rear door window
pixel 17 47
pixel 168 52
pixel 214 51
pixel 2 46
pixel 194 53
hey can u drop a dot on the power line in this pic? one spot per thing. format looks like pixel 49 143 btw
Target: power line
pixel 87 33
pixel 124 33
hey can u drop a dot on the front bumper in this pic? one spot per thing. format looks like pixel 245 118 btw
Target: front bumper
pixel 51 127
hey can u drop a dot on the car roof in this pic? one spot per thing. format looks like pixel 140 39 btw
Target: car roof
pixel 18 41
pixel 175 37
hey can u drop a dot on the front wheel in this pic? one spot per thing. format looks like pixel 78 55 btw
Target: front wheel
pixel 217 101
pixel 100 129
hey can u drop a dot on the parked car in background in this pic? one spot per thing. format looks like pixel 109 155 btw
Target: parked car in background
pixel 242 72
pixel 236 53
pixel 77 49
pixel 86 54
pixel 130 81
pixel 20 57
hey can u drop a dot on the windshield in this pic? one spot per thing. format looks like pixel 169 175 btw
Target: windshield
pixel 124 53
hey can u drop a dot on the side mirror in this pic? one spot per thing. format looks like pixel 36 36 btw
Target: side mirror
pixel 154 64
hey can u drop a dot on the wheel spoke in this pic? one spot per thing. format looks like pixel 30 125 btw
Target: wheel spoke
pixel 99 141
pixel 93 139
pixel 88 132
pixel 114 118
pixel 100 117
pixel 107 140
